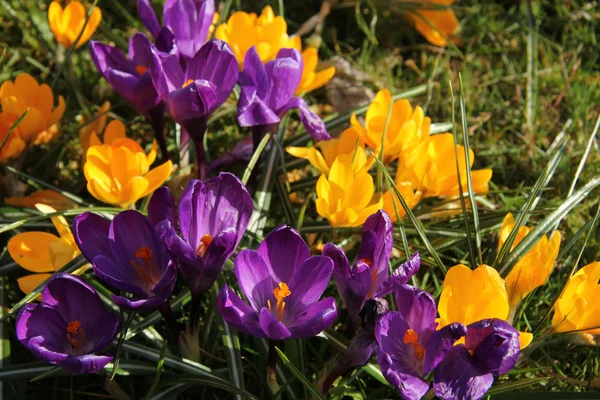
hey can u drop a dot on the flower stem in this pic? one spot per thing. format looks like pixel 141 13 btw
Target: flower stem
pixel 200 159
pixel 272 365
pixel 167 313
pixel 158 126
pixel 195 312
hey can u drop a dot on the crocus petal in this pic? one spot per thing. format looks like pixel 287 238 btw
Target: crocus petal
pixel 495 345
pixel 30 250
pixel 29 282
pixel 440 342
pixel 312 123
pixel 284 73
pixel 308 283
pixel 458 377
pixel 107 58
pixel 254 277
pixel 237 313
pixel 91 235
pixel 123 82
pixel 148 17
pixel 400 276
pixel 192 101
pixel 117 276
pixel 416 306
pixel 168 235
pixel 254 75
pixel 272 328
pixel 107 327
pixel 166 72
pixel 284 251
pixel 42 330
pixel 87 364
pixel 376 245
pixel 162 206
pixel 315 318
pixel 139 50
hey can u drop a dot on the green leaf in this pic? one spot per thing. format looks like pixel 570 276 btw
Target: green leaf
pixel 311 388
pixel 159 370
pixel 234 356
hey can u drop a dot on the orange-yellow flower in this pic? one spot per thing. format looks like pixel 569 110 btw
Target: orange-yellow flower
pixel 40 124
pixel 67 23
pixel 409 194
pixel 406 128
pixel 311 78
pixel 578 308
pixel 95 126
pixel 534 268
pixel 43 253
pixel 437 26
pixel 472 295
pixel 118 171
pixel 49 197
pixel 267 32
pixel 324 153
pixel 346 198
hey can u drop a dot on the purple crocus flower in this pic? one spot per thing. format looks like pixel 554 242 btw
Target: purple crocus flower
pixel 213 217
pixel 409 345
pixel 69 327
pixel 267 93
pixel 128 255
pixel 194 92
pixel 189 20
pixel 283 285
pixel 467 372
pixel 359 283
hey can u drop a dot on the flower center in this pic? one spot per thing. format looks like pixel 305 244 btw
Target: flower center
pixel 411 337
pixel 188 82
pixel 205 241
pixel 75 335
pixel 140 69
pixel 369 263
pixel 281 292
pixel 148 271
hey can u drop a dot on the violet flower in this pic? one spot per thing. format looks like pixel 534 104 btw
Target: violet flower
pixel 467 372
pixel 192 93
pixel 359 283
pixel 128 255
pixel 189 20
pixel 267 93
pixel 130 77
pixel 409 345
pixel 213 217
pixel 69 327
pixel 283 285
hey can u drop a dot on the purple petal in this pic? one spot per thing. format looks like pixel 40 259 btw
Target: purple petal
pixel 495 345
pixel 400 276
pixel 315 318
pixel 440 342
pixel 193 101
pixel 106 58
pixel 165 41
pixel 308 283
pixel 376 245
pixel 123 82
pixel 148 17
pixel 458 377
pixel 313 124
pixel 190 22
pixel 284 251
pixel 139 50
pixel 272 328
pixel 145 98
pixel 254 277
pixel 284 74
pixel 162 206
pixel 90 232
pixel 255 75
pixel 166 72
pixel 253 111
pixel 215 63
pixel 241 153
pixel 168 235
pixel 104 332
pixel 417 308
pixel 237 313
pixel 118 276
pixel 42 330
pixel 87 364
pixel 73 299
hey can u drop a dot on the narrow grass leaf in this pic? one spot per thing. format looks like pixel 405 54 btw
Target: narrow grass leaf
pixel 159 370
pixel 311 388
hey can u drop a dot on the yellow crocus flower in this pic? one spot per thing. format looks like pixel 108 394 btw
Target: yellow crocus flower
pixel 267 32
pixel 409 194
pixel 67 23
pixel 48 197
pixel 534 268
pixel 406 129
pixel 311 78
pixel 324 153
pixel 437 26
pixel 43 253
pixel 40 124
pixel 96 126
pixel 472 295
pixel 578 308
pixel 118 171
pixel 345 198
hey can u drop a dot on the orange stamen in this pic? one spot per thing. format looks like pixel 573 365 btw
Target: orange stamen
pixel 280 292
pixel 411 337
pixel 75 334
pixel 140 69
pixel 205 241
pixel 188 82
pixel 148 272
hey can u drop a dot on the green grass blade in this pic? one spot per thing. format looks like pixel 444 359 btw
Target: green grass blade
pixel 584 158
pixel 255 158
pixel 63 213
pixel 311 388
pixel 234 356
pixel 12 128
pixel 159 370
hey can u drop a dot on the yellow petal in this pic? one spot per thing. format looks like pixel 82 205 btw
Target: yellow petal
pixel 525 339
pixel 30 250
pixel 49 197
pixel 114 130
pixel 157 176
pixel 30 282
